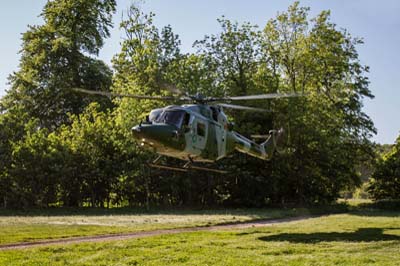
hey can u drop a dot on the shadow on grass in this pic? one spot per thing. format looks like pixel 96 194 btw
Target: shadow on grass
pixel 361 235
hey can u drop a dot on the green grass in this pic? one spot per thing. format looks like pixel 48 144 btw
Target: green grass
pixel 360 238
pixel 34 225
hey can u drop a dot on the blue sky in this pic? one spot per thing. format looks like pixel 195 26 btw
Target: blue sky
pixel 377 22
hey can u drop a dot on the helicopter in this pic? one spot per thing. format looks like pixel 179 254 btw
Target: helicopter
pixel 198 131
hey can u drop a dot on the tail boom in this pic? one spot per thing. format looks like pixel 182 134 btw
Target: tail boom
pixel 262 151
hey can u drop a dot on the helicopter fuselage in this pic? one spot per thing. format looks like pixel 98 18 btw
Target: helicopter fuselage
pixel 195 132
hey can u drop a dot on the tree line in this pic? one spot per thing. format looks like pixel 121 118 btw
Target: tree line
pixel 62 148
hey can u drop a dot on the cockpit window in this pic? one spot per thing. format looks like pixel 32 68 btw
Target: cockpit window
pixel 154 114
pixel 171 117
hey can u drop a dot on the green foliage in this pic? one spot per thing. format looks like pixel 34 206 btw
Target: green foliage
pixel 232 54
pixel 382 149
pixel 100 155
pixel 83 24
pixel 327 132
pixel 13 126
pixel 142 63
pixel 58 149
pixel 385 182
pixel 35 168
pixel 85 162
pixel 55 57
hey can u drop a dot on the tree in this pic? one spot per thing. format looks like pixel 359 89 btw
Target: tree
pixel 87 157
pixel 329 133
pixel 36 169
pixel 55 57
pixel 385 182
pixel 140 67
pixel 14 124
pixel 99 155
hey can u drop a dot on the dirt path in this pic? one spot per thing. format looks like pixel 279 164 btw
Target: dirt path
pixel 123 236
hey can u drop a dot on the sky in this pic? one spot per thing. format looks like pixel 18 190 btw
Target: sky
pixel 377 22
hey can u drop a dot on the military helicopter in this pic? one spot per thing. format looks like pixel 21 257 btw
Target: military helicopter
pixel 198 131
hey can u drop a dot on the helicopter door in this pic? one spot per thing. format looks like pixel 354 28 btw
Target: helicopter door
pixel 199 134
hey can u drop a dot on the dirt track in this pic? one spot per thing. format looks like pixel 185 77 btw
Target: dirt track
pixel 110 237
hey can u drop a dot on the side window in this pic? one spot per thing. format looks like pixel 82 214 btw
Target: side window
pixel 186 121
pixel 214 113
pixel 201 129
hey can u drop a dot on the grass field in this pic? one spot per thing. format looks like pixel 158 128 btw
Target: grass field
pixel 366 237
pixel 36 225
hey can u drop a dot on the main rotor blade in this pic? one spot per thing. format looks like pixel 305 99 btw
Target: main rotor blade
pixel 241 107
pixel 260 96
pixel 139 97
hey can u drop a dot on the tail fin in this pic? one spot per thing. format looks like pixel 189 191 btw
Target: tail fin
pixel 269 146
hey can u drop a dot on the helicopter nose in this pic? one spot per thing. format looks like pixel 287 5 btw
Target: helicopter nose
pixel 154 133
pixel 137 132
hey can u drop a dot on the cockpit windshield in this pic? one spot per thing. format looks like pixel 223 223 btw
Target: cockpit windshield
pixel 171 117
pixel 154 114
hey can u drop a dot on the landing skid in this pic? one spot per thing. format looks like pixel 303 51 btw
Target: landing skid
pixel 168 167
pixel 207 169
pixel 188 166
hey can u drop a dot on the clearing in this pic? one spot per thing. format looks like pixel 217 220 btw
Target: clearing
pixel 34 225
pixel 361 237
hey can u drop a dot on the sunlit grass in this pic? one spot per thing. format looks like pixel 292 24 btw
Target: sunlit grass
pixel 34 225
pixel 355 202
pixel 365 238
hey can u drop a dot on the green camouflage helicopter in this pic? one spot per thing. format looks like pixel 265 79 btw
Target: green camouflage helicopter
pixel 199 131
